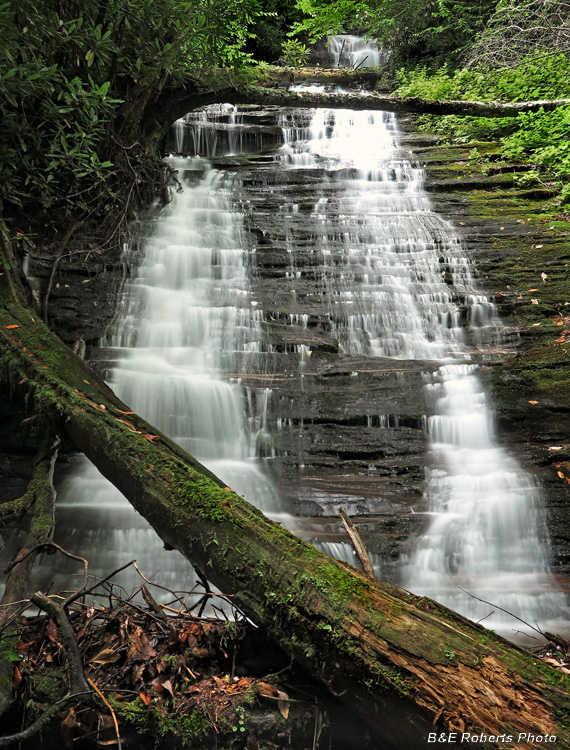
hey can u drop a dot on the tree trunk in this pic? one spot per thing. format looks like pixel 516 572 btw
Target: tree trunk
pixel 408 666
pixel 176 103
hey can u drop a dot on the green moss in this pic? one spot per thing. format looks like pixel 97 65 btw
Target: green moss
pixel 48 685
pixel 188 728
pixel 204 497
pixel 403 685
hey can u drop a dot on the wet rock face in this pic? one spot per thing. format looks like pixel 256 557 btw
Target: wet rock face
pixel 84 296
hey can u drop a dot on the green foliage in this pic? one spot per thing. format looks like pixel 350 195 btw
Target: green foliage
pixel 75 75
pixel 270 30
pixel 543 138
pixel 413 29
pixel 295 53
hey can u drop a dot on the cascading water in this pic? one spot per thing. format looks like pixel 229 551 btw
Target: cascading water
pixel 393 270
pixel 185 319
pixel 355 52
pixel 486 536
pixel 394 283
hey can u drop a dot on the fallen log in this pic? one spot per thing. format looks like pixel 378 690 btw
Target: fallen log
pixel 176 103
pixel 407 665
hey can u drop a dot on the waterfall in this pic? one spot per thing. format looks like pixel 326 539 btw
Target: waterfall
pixel 398 284
pixel 355 52
pixel 362 255
pixel 185 320
pixel 486 536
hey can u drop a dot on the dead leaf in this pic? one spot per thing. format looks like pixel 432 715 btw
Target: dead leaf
pixel 556 448
pixel 283 708
pixel 182 635
pixel 70 722
pixel 543 276
pixel 533 402
pixel 268 691
pixel 106 656
pixel 552 662
pixel 561 475
pixel 140 648
pixel 167 685
pixel 12 326
pixel 131 427
pixel 533 290
pixel 534 301
pixel 520 296
pixel 17 676
pixel 125 412
pixel 52 631
pixel 138 670
pixel 99 407
pixel 146 699
pixel 501 228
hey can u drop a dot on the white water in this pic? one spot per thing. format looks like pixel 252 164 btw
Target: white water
pixel 355 52
pixel 387 258
pixel 186 317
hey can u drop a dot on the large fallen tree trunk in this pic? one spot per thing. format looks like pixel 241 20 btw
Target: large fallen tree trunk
pixel 408 666
pixel 174 104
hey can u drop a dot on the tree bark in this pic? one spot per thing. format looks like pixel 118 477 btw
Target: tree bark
pixel 407 665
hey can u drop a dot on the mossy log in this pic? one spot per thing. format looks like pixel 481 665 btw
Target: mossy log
pixel 176 103
pixel 408 666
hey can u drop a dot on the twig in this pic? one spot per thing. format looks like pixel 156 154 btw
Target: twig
pixel 361 63
pixel 358 543
pixel 156 585
pixel 484 618
pixel 55 546
pixel 149 599
pixel 106 702
pixel 506 611
pixel 68 235
pixel 78 594
pixel 67 636
pixel 48 714
pixel 341 51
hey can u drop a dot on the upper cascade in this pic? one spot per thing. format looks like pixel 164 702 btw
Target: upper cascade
pixel 351 51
